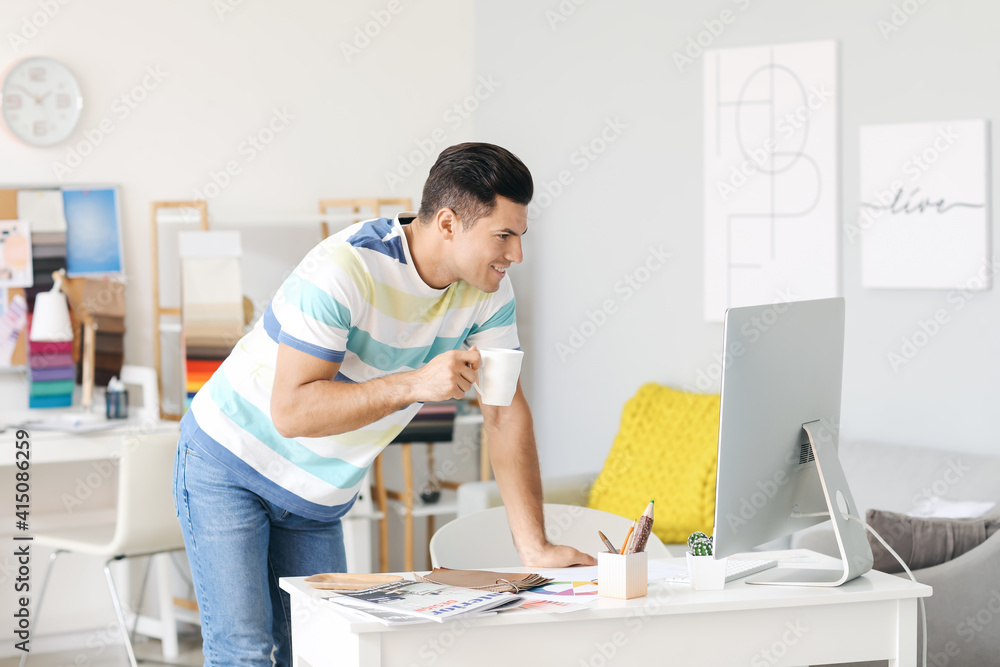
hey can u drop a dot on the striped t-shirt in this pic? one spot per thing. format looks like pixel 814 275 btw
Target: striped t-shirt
pixel 356 298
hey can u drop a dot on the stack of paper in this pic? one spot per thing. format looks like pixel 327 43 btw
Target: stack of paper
pixel 410 601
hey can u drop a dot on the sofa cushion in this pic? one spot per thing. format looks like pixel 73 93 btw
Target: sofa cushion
pixel 666 450
pixel 923 542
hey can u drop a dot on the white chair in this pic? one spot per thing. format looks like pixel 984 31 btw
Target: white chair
pixel 483 540
pixel 146 523
pixel 143 391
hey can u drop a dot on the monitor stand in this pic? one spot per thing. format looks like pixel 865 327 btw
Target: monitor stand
pixel 855 553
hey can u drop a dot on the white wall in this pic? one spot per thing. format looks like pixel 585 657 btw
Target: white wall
pixel 607 68
pixel 225 74
pixel 555 89
pixel 607 60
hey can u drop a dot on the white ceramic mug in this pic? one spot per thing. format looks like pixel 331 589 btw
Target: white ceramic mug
pixel 498 375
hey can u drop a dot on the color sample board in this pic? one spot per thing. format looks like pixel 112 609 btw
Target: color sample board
pixel 567 588
pixel 93 235
pixel 16 269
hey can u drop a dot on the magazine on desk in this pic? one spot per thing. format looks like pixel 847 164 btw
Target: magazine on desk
pixel 417 600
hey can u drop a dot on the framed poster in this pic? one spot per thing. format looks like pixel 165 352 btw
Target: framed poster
pixel 924 218
pixel 770 189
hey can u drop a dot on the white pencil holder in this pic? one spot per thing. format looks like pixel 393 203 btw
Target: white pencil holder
pixel 622 577
pixel 707 573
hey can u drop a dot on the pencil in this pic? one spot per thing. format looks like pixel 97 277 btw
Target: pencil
pixel 607 542
pixel 630 547
pixel 631 528
pixel 644 529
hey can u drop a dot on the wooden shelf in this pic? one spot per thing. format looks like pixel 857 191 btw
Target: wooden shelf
pixel 406 502
pixel 447 504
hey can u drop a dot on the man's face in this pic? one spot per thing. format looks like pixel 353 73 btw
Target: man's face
pixel 485 252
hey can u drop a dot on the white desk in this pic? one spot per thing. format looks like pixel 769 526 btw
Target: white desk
pixel 65 446
pixel 74 484
pixel 90 446
pixel 871 618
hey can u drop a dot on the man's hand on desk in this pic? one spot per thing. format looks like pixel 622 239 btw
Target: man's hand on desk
pixel 556 555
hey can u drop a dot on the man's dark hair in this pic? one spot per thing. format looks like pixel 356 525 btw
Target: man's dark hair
pixel 468 178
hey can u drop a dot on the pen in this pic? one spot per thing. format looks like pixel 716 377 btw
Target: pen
pixel 607 543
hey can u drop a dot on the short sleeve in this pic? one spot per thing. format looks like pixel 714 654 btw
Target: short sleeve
pixel 313 309
pixel 496 322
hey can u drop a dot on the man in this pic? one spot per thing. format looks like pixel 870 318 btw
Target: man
pixel 376 320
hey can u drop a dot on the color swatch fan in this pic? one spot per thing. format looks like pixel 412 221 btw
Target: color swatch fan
pixel 50 352
pixel 211 302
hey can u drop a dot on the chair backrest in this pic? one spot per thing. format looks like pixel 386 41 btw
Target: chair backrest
pixel 143 391
pixel 483 540
pixel 147 521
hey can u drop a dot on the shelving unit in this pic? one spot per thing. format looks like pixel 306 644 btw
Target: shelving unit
pixel 405 502
pixel 175 216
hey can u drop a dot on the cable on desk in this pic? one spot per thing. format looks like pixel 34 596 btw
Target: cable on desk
pixel 923 610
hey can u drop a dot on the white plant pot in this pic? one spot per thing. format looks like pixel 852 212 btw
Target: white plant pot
pixel 707 573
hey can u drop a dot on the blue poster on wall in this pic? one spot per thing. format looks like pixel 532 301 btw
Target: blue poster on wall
pixel 93 232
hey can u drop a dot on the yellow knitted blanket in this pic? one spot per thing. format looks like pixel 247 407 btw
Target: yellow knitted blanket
pixel 666 450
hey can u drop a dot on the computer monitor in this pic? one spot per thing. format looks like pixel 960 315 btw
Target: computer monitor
pixel 778 470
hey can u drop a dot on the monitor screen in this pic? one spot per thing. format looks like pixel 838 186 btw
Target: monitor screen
pixel 783 369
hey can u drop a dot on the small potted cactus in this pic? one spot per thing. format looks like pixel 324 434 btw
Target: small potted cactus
pixel 707 573
pixel 700 544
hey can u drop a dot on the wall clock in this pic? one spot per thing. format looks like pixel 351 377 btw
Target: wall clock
pixel 41 101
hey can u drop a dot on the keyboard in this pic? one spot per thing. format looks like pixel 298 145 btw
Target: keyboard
pixel 736 568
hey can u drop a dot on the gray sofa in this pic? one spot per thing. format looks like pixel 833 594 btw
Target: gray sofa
pixel 963 615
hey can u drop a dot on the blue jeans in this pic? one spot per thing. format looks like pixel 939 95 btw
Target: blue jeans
pixel 239 545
